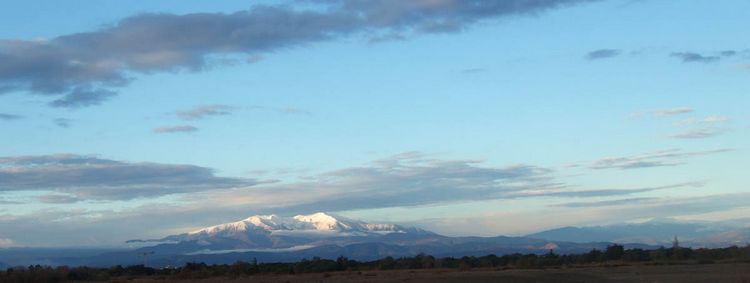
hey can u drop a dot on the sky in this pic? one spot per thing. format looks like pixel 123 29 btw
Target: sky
pixel 142 119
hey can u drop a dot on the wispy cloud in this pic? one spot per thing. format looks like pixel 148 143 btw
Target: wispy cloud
pixel 175 129
pixel 411 180
pixel 671 157
pixel 255 58
pixel 203 111
pixel 568 193
pixel 615 202
pixel 6 201
pixel 63 122
pixel 609 211
pixel 83 97
pixel 58 199
pixel 404 180
pixel 472 71
pixel 603 54
pixel 9 117
pixel 692 57
pixel 715 119
pixel 386 38
pixel 87 177
pixel 673 111
pixel 86 68
pixel 701 133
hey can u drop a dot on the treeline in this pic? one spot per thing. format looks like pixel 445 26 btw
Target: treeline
pixel 614 255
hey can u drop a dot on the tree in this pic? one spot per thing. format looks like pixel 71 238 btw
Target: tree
pixel 614 252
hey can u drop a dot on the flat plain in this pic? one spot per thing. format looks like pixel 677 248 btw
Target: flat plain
pixel 713 273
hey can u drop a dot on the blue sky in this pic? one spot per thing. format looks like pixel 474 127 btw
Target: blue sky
pixel 432 112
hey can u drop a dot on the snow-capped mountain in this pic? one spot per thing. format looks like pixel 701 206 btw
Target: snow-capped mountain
pixel 272 238
pixel 277 233
pixel 314 223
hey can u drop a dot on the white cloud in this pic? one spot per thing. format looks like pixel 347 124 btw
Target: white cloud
pixel 715 119
pixel 670 157
pixel 700 133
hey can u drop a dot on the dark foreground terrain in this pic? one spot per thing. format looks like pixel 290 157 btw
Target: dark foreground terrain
pixel 711 273
pixel 614 264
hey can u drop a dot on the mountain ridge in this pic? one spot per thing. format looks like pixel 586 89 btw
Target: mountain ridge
pixel 656 232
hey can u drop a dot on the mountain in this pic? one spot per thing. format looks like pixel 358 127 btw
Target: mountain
pixel 274 233
pixel 276 238
pixel 656 232
pixel 272 238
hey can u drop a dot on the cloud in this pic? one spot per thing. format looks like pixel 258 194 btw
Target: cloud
pixel 603 54
pixel 701 133
pixel 86 68
pixel 705 120
pixel 402 180
pixel 409 179
pixel 615 202
pixel 82 97
pixel 673 111
pixel 523 222
pixel 203 111
pixel 6 243
pixel 88 177
pixel 5 201
pixel 405 180
pixel 63 122
pixel 175 129
pixel 255 58
pixel 670 157
pixel 472 71
pixel 386 38
pixel 58 199
pixel 691 57
pixel 9 117
pixel 611 192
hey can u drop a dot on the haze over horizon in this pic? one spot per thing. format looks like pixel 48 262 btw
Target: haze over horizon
pixel 140 120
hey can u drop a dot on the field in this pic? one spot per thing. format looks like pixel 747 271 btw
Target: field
pixel 713 273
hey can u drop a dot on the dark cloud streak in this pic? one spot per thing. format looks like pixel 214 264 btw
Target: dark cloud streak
pixel 671 157
pixel 603 54
pixel 203 111
pixel 9 117
pixel 692 57
pixel 88 177
pixel 175 129
pixel 87 68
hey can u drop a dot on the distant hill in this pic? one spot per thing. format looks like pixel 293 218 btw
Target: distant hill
pixel 657 232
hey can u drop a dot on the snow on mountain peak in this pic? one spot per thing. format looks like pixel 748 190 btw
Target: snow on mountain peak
pixel 322 221
pixel 233 226
pixel 319 221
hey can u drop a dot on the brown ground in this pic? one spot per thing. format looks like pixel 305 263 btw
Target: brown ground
pixel 713 273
